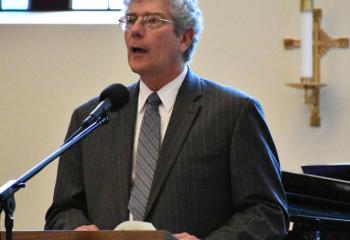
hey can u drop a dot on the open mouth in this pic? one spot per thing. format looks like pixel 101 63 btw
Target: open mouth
pixel 138 50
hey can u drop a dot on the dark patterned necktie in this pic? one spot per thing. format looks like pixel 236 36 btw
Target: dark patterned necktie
pixel 146 157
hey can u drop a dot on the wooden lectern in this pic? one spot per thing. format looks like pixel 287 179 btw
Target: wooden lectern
pixel 89 235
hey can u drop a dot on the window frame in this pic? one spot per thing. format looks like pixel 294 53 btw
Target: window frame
pixel 56 5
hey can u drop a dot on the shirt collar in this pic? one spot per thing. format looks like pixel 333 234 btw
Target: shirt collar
pixel 167 93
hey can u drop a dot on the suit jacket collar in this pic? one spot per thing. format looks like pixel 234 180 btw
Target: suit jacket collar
pixel 126 119
pixel 122 128
pixel 184 113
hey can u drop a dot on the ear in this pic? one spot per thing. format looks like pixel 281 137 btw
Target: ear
pixel 186 39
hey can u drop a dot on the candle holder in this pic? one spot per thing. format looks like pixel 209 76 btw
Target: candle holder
pixel 321 43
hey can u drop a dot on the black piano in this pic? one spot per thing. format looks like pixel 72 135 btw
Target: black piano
pixel 319 207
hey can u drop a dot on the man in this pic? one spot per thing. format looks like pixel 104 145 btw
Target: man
pixel 216 174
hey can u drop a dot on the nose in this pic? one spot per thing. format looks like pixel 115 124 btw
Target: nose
pixel 137 29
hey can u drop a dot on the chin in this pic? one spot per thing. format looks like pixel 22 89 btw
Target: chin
pixel 137 69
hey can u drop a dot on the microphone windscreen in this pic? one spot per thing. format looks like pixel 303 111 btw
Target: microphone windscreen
pixel 118 94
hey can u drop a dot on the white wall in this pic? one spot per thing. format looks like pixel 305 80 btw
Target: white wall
pixel 48 70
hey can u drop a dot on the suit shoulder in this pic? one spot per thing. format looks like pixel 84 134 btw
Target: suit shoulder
pixel 214 89
pixel 86 107
pixel 227 98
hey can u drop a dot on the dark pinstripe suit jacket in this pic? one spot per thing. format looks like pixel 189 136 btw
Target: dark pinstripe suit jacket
pixel 217 176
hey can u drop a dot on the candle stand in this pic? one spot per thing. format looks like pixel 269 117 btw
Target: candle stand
pixel 321 44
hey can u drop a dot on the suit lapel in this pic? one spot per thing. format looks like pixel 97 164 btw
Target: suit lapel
pixel 123 134
pixel 184 113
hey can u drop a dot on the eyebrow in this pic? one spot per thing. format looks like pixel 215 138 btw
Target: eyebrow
pixel 146 14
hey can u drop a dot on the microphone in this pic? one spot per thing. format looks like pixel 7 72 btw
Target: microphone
pixel 113 98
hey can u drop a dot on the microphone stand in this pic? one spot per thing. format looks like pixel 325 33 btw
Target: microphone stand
pixel 7 191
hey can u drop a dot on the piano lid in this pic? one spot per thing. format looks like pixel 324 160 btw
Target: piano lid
pixel 337 170
pixel 317 199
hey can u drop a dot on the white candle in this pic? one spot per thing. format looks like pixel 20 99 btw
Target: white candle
pixel 306 42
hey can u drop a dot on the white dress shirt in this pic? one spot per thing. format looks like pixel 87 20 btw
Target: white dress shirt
pixel 168 95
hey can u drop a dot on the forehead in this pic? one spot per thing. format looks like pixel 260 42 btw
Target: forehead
pixel 145 6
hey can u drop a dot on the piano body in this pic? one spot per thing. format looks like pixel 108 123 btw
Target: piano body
pixel 319 207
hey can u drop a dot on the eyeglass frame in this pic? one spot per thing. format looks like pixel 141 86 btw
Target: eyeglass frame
pixel 123 21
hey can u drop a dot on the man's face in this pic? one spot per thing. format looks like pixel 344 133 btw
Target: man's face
pixel 153 50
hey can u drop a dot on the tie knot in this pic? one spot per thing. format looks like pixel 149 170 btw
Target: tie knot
pixel 154 99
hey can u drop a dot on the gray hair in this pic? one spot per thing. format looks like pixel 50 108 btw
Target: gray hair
pixel 186 14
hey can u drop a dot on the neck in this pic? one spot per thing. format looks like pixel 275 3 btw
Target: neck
pixel 155 81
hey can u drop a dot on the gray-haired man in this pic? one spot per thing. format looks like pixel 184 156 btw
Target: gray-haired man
pixel 208 169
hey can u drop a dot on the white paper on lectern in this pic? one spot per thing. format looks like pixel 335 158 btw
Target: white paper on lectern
pixel 135 225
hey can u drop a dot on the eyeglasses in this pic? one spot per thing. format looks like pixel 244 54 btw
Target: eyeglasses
pixel 150 21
